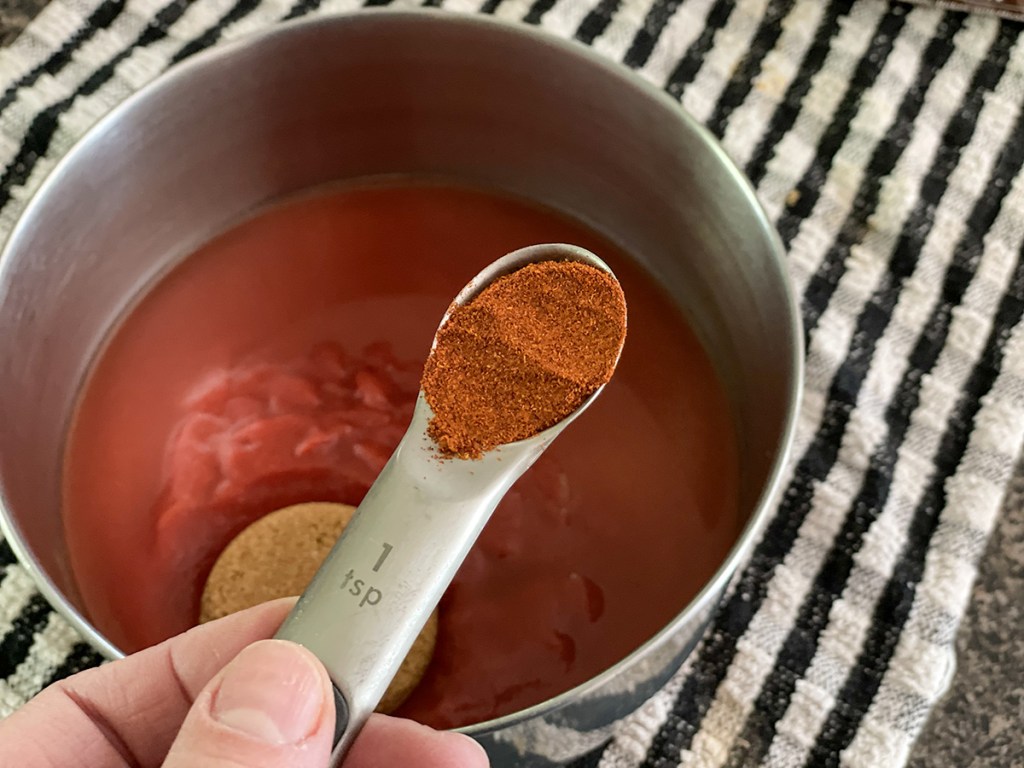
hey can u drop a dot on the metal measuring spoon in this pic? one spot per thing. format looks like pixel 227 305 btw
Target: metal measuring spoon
pixel 397 556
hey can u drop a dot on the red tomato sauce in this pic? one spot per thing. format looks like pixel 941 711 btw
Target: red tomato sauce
pixel 280 363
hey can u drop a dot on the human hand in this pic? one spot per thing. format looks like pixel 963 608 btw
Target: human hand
pixel 218 696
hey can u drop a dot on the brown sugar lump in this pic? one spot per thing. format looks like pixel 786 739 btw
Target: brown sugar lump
pixel 277 556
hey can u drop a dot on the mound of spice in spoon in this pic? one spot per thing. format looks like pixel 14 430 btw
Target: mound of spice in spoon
pixel 522 355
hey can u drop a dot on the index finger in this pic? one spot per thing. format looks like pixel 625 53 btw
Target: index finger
pixel 127 713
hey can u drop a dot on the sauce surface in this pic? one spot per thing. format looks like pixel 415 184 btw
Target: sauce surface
pixel 279 364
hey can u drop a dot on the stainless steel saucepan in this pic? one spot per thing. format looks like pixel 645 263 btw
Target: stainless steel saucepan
pixel 379 93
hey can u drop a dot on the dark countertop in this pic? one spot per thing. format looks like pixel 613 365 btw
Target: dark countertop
pixel 14 15
pixel 978 724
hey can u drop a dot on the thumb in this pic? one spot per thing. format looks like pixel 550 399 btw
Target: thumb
pixel 270 706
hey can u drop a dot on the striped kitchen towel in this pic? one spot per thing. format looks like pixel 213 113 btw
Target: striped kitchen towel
pixel 886 143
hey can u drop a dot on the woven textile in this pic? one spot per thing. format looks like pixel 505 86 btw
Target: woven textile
pixel 886 143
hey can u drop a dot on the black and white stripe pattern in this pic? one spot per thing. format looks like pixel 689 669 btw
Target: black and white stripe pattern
pixel 887 144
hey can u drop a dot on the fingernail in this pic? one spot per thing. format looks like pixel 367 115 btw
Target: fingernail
pixel 273 691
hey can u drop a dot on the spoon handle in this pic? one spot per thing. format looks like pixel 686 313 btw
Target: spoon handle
pixel 374 592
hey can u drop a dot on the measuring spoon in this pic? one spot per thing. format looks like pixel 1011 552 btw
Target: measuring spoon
pixel 374 592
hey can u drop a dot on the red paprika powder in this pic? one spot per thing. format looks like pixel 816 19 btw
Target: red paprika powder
pixel 522 355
